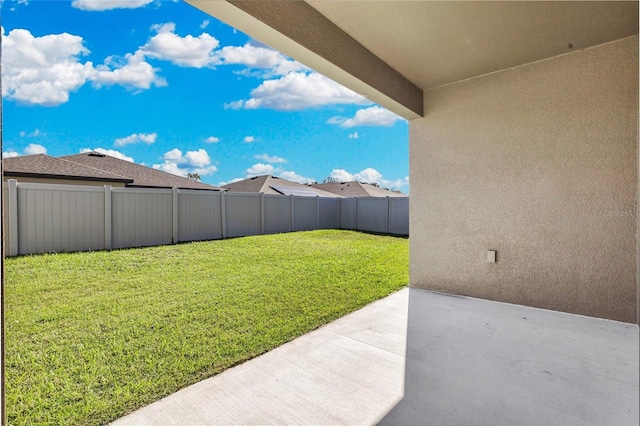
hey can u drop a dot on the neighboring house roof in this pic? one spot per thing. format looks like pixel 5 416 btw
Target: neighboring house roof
pixel 357 189
pixel 46 167
pixel 142 176
pixel 274 185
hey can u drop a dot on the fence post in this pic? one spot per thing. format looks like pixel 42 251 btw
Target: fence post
pixel 223 214
pixel 107 217
pixel 357 229
pixel 293 219
pixel 317 212
pixel 175 215
pixel 388 212
pixel 13 217
pixel 262 212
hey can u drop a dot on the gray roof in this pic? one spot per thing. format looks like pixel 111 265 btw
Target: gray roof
pixel 44 166
pixel 268 184
pixel 356 189
pixel 142 176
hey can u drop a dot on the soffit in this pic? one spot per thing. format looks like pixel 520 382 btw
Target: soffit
pixel 432 43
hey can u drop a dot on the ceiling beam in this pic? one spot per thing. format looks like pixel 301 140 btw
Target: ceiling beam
pixel 298 30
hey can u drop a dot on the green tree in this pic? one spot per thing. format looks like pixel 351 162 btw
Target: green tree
pixel 330 179
pixel 194 176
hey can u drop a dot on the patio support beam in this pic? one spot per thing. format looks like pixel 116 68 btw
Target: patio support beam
pixel 298 30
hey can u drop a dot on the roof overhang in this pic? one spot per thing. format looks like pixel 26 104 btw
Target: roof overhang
pixel 65 177
pixel 392 51
pixel 298 30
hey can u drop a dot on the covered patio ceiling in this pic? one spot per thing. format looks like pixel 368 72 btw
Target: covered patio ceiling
pixel 391 51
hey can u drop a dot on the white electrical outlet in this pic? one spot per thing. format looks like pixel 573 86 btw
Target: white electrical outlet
pixel 491 256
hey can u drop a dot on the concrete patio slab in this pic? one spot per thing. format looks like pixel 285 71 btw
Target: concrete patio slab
pixel 468 362
pixel 478 362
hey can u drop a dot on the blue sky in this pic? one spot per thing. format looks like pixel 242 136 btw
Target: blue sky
pixel 165 85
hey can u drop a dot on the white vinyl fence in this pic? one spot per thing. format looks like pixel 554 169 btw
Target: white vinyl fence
pixel 56 218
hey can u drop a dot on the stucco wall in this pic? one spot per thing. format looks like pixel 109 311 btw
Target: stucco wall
pixel 538 162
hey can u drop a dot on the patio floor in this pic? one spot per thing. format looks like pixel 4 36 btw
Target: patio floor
pixel 468 362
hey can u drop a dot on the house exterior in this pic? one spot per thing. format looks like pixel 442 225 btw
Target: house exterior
pixel 274 185
pixel 356 189
pixel 523 135
pixel 41 168
pixel 93 168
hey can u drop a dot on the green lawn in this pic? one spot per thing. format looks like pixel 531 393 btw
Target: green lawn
pixel 92 336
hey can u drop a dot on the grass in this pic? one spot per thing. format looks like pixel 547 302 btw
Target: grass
pixel 93 336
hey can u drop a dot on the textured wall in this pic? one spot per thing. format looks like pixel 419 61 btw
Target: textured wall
pixel 538 162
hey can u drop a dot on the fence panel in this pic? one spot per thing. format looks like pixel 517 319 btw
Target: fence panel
pixel 372 214
pixel 243 214
pixel 305 213
pixel 6 222
pixel 56 218
pixel 329 213
pixel 399 216
pixel 141 217
pixel 199 215
pixel 348 217
pixel 277 214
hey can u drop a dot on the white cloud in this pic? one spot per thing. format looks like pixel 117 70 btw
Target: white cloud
pixel 369 175
pixel 270 158
pixel 31 149
pixel 234 105
pixel 258 57
pixel 297 91
pixel 33 134
pixel 109 152
pixel 204 24
pixel 192 162
pixel 341 175
pixel 202 51
pixel 188 51
pixel 249 139
pixel 199 158
pixel 354 135
pixel 147 138
pixel 260 169
pixel 132 71
pixel 34 148
pixel 42 70
pixel 372 116
pixel 212 139
pixel 100 5
pixel 175 155
pixel 45 70
pixel 293 176
pixel 9 154
pixel 170 168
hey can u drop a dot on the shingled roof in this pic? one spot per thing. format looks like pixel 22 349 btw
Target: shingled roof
pixel 142 176
pixel 356 189
pixel 44 166
pixel 274 185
